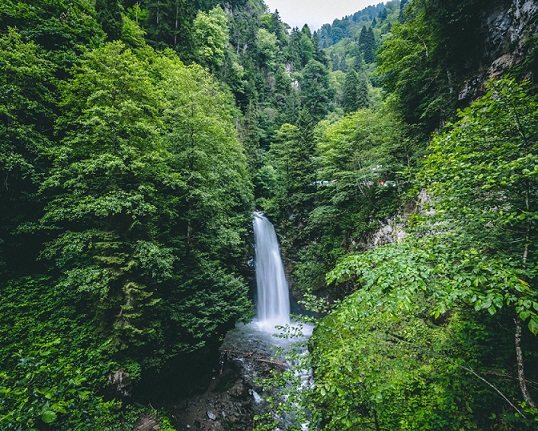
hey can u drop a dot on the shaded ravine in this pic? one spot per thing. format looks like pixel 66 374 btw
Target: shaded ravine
pixel 249 352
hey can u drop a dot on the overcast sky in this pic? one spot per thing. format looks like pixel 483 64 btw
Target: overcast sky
pixel 315 13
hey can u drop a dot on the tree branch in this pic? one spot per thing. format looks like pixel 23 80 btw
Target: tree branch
pixel 474 373
pixel 463 367
pixel 266 361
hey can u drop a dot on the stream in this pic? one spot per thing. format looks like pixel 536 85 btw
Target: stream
pixel 251 352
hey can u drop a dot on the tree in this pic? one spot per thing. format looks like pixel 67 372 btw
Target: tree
pixel 355 91
pixel 210 36
pixel 27 114
pixel 63 29
pixel 459 30
pixel 300 48
pixel 109 16
pixel 470 263
pixel 384 362
pixel 284 153
pixel 170 23
pixel 350 92
pixel 267 47
pixel 307 48
pixel 149 191
pixel 100 199
pixel 483 176
pixel 401 16
pixel 429 55
pixel 278 28
pixel 358 142
pixel 211 212
pixel 316 92
pixel 352 155
pixel 319 54
pixel 409 68
pixel 483 170
pixel 367 44
pixel 292 154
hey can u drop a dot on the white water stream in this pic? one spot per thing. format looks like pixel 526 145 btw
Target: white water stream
pixel 272 336
pixel 273 308
pixel 273 302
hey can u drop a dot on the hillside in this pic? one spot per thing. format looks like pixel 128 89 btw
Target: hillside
pixel 139 136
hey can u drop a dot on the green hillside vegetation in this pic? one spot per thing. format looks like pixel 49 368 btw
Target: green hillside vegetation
pixel 138 136
pixel 436 316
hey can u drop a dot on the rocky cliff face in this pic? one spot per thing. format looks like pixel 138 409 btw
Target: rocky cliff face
pixel 510 29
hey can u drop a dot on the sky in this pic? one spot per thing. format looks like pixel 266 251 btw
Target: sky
pixel 315 13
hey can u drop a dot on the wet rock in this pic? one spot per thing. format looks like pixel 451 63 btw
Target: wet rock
pixel 228 402
pixel 148 423
pixel 121 383
pixel 240 390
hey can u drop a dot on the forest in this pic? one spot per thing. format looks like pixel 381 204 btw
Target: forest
pixel 395 150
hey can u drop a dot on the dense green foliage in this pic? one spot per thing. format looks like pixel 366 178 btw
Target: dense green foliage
pixel 54 366
pixel 140 188
pixel 439 331
pixel 350 26
pixel 63 29
pixel 136 138
pixel 127 201
pixel 355 92
pixel 463 278
pixel 482 174
pixel 390 364
pixel 27 111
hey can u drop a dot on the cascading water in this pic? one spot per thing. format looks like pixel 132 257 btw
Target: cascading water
pixel 273 303
pixel 259 344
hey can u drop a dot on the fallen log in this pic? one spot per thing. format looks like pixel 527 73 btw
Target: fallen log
pixel 280 364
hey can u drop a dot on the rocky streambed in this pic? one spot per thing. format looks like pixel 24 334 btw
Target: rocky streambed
pixel 232 397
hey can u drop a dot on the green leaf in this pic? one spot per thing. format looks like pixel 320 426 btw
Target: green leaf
pixel 533 324
pixel 59 408
pixel 48 416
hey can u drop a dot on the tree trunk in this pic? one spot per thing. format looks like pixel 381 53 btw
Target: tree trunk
pixel 521 368
pixel 176 25
pixel 376 423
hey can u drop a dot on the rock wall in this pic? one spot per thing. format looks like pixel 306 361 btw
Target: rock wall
pixel 510 30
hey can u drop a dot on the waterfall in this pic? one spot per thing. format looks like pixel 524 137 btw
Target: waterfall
pixel 273 303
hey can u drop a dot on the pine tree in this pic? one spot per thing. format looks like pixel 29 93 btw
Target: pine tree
pixel 371 45
pixel 363 97
pixel 110 18
pixel 278 28
pixel 319 54
pixel 367 45
pixel 349 99
pixel 401 16
pixel 355 92
pixel 358 65
pixel 316 91
pixel 383 15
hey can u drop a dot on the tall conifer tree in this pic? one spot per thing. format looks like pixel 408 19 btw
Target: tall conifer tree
pixel 109 16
